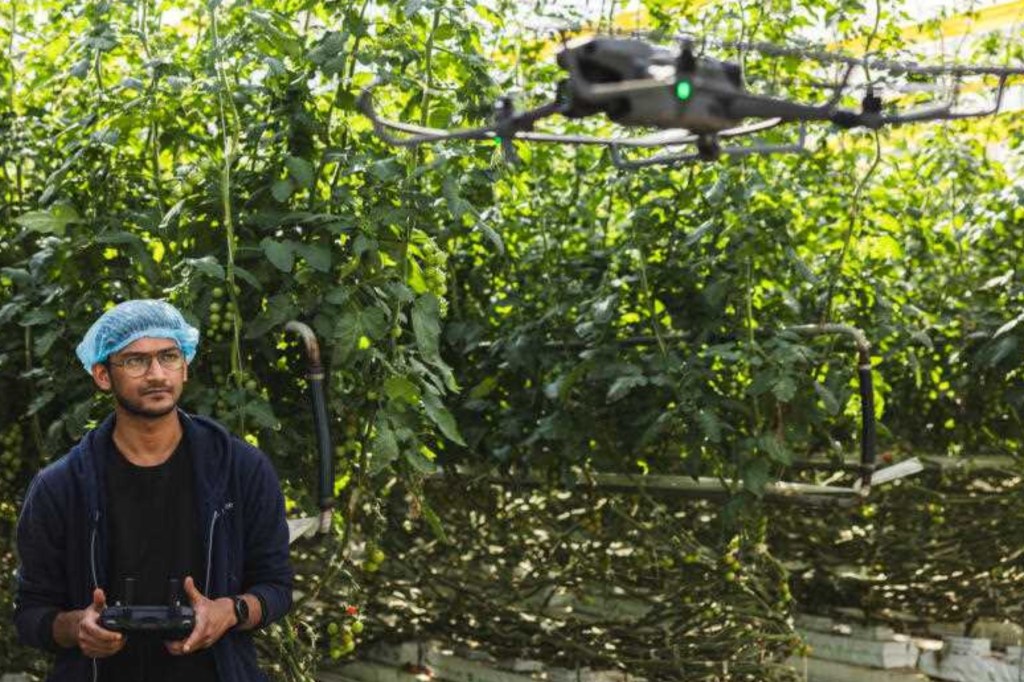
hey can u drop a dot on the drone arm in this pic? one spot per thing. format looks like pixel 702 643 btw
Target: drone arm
pixel 511 126
pixel 417 134
pixel 745 105
pixel 941 112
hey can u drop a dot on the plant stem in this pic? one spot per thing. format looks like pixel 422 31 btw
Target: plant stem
pixel 343 85
pixel 37 430
pixel 228 136
pixel 749 323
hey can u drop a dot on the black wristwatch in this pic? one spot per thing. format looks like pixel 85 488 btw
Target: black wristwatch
pixel 241 611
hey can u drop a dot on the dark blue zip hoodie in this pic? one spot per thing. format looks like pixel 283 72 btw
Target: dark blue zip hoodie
pixel 62 542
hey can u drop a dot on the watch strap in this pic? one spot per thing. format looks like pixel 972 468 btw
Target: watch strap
pixel 263 609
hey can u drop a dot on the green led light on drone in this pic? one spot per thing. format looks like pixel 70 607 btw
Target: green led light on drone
pixel 497 139
pixel 684 90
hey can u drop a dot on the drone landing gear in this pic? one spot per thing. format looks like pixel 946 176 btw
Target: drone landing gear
pixel 708 147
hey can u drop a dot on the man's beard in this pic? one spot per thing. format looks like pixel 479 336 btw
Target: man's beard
pixel 136 409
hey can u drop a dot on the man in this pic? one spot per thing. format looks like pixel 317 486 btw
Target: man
pixel 152 494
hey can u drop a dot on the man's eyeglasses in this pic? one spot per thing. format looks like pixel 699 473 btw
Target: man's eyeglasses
pixel 136 365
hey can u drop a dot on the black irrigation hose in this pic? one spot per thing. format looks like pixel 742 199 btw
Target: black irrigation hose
pixel 315 377
pixel 867 392
pixel 867 408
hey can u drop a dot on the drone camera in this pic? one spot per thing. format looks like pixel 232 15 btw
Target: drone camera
pixel 686 63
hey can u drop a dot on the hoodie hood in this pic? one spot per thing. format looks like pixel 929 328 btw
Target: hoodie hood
pixel 212 462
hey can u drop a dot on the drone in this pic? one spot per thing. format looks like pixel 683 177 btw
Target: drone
pixel 693 101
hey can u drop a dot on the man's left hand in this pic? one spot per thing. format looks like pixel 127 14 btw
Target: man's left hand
pixel 214 617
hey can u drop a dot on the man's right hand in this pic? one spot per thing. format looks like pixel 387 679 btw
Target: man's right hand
pixel 82 629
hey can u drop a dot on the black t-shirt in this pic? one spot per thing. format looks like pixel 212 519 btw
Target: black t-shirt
pixel 154 537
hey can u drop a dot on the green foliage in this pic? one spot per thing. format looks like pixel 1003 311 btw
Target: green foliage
pixel 551 316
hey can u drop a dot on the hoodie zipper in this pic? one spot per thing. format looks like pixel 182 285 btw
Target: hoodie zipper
pixel 92 549
pixel 95 577
pixel 209 543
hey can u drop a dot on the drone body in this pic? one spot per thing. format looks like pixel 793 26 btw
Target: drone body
pixel 691 100
pixel 597 62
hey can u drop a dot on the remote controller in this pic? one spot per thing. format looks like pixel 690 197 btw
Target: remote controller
pixel 171 622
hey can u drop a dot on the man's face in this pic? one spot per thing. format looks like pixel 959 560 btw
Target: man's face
pixel 152 394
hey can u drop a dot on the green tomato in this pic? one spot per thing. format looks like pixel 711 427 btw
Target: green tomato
pixel 357 627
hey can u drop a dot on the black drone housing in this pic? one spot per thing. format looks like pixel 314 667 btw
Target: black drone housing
pixel 597 64
pixel 173 621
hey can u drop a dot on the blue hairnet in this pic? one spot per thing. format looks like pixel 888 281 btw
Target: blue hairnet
pixel 133 320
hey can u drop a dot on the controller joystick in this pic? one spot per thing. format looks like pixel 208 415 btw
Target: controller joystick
pixel 172 621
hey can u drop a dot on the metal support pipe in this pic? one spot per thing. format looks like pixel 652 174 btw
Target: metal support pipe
pixel 315 377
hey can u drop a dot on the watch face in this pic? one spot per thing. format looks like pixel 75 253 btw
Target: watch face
pixel 241 611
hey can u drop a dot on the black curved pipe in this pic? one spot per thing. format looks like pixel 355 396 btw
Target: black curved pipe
pixel 867 419
pixel 867 393
pixel 315 377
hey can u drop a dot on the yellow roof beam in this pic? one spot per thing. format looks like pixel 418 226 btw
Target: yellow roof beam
pixel 984 20
pixel 626 21
pixel 980 21
pixel 623 22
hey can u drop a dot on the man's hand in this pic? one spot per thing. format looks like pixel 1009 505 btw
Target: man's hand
pixel 82 629
pixel 214 617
